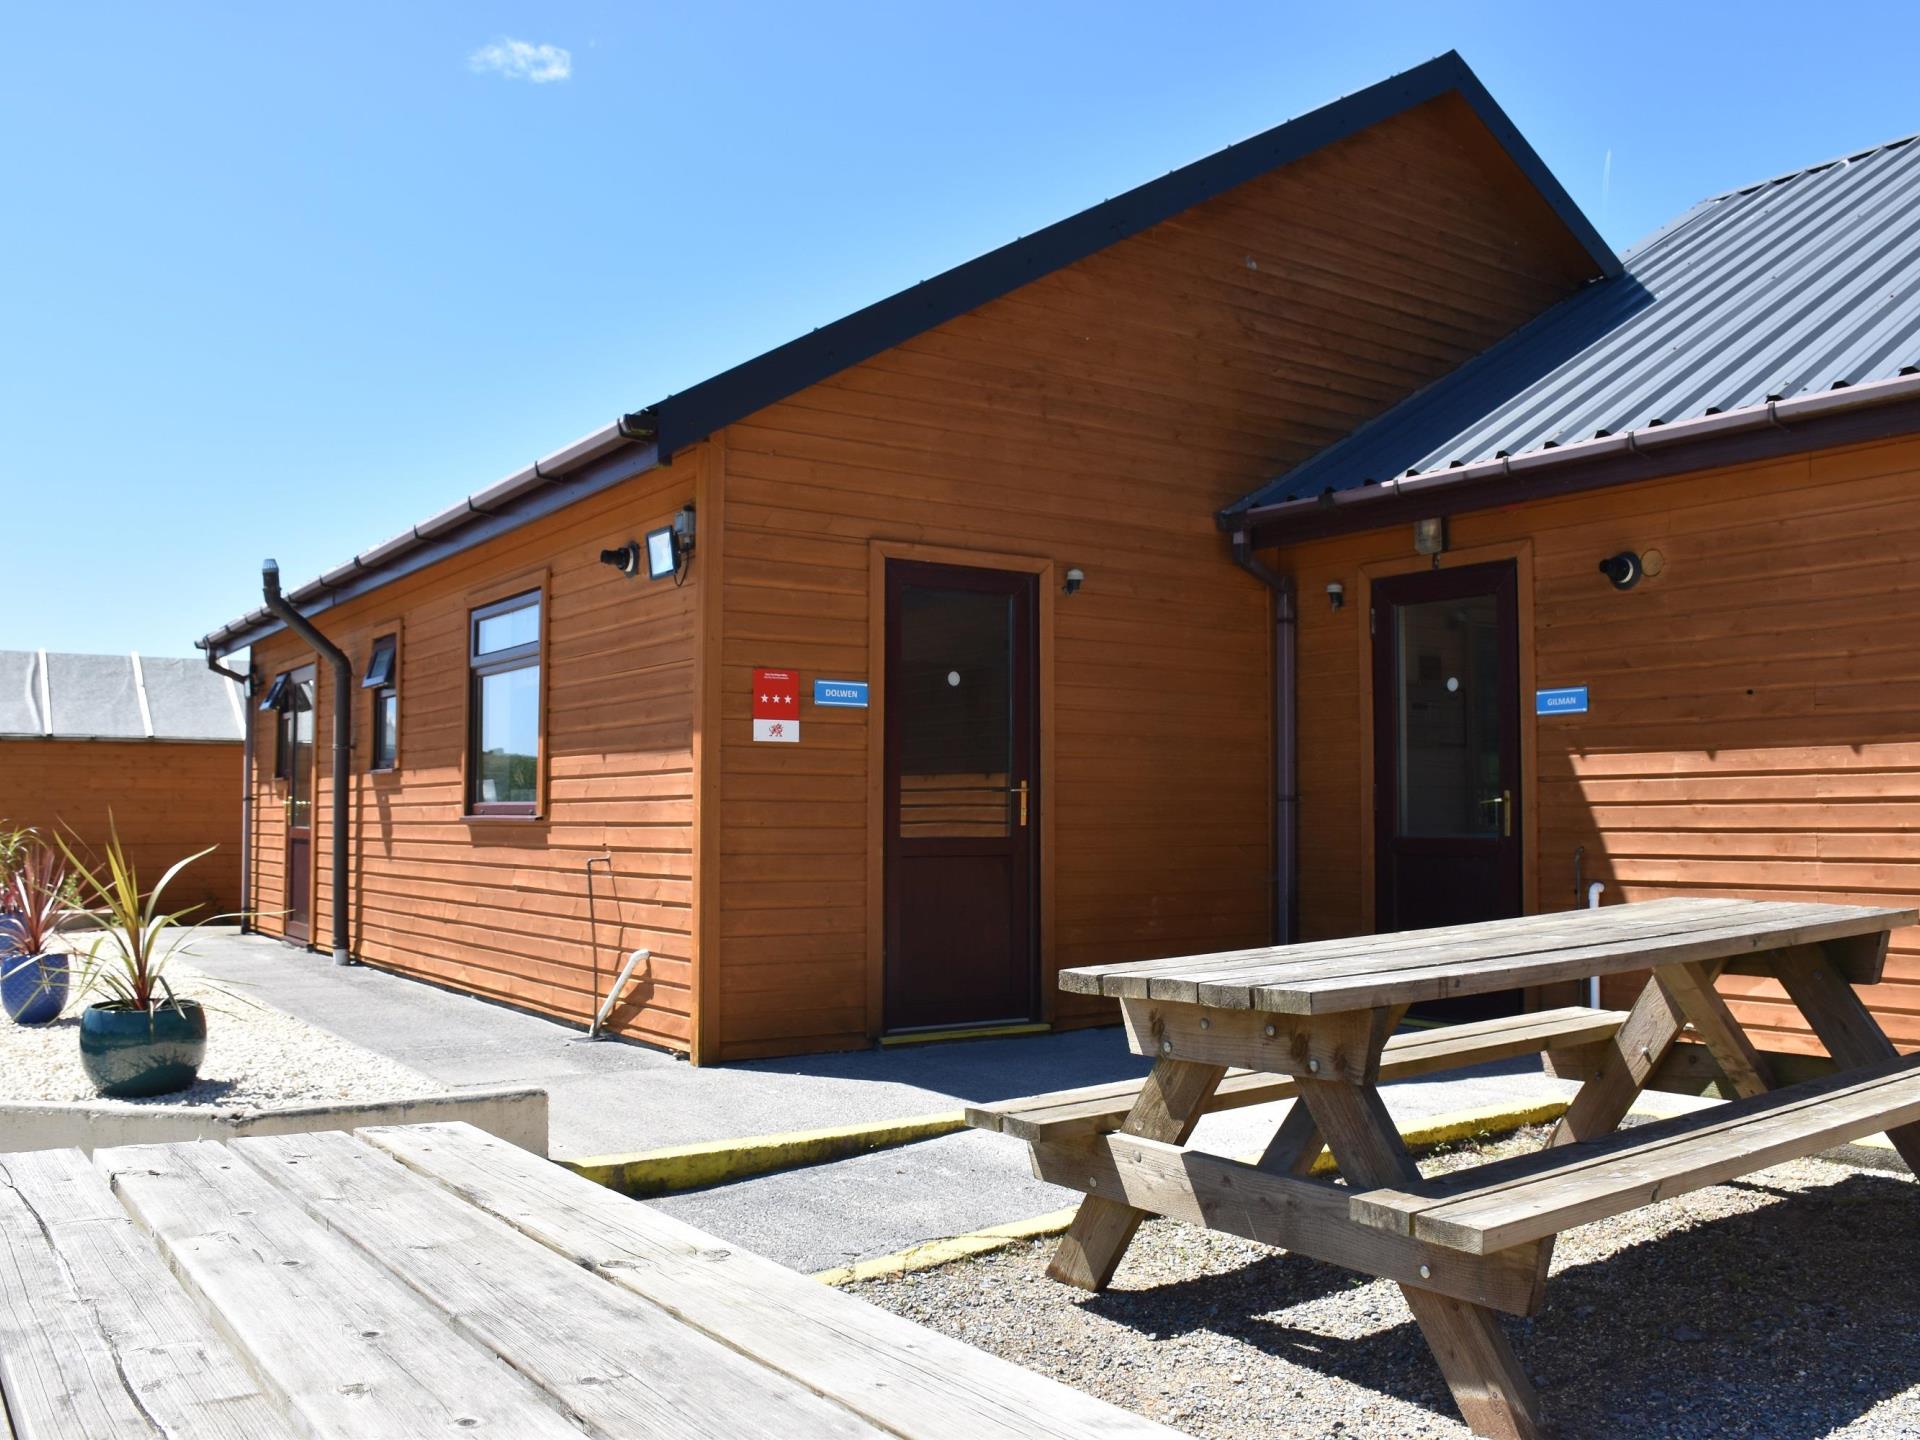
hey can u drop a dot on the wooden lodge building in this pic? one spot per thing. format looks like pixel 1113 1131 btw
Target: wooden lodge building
pixel 1333 535
pixel 148 746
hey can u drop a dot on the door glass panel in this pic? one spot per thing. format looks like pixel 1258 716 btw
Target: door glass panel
pixel 298 718
pixel 954 691
pixel 1448 669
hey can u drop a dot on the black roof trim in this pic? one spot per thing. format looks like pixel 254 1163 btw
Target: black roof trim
pixel 693 414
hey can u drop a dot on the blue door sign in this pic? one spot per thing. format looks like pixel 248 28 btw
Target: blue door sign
pixel 1567 700
pixel 841 693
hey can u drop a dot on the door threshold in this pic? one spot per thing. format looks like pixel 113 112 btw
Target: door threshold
pixel 966 1032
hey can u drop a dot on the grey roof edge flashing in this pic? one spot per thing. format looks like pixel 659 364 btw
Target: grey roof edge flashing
pixel 522 498
pixel 1457 488
pixel 690 415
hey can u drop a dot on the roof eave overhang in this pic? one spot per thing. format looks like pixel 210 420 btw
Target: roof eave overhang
pixel 591 464
pixel 1878 410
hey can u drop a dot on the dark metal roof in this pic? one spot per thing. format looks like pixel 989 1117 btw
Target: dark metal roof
pixel 638 441
pixel 1801 284
pixel 115 697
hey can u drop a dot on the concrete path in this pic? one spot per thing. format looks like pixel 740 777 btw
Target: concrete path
pixel 610 1097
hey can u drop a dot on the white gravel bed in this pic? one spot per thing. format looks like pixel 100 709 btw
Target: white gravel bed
pixel 1783 1305
pixel 257 1057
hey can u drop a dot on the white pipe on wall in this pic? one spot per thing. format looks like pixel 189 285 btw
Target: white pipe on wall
pixel 1593 981
pixel 606 1006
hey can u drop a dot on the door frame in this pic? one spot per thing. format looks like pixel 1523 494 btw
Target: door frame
pixel 305 942
pixel 879 552
pixel 1520 553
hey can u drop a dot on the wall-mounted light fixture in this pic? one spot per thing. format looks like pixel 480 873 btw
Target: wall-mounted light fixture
pixel 1336 594
pixel 1623 570
pixel 670 547
pixel 1430 536
pixel 1076 577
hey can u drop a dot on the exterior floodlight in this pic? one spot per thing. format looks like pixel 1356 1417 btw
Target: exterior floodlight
pixel 1623 570
pixel 662 556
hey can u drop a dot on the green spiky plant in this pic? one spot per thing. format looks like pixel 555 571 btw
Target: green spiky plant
pixel 127 961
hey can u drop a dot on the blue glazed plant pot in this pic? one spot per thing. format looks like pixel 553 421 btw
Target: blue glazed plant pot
pixel 33 988
pixel 131 1053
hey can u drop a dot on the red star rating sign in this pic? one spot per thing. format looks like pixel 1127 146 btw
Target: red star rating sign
pixel 776 706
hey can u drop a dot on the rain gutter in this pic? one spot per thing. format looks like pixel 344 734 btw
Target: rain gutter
pixel 1875 410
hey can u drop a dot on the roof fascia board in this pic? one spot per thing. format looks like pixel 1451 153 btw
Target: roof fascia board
pixel 604 472
pixel 1767 432
pixel 734 394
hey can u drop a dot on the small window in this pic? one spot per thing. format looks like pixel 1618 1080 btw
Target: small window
pixel 276 693
pixel 383 680
pixel 293 729
pixel 504 744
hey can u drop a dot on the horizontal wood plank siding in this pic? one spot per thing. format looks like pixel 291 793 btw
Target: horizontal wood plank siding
pixel 1753 726
pixel 166 799
pixel 1095 417
pixel 500 907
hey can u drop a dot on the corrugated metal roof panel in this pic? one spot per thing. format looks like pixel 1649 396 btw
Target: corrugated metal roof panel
pixel 1797 285
pixel 104 697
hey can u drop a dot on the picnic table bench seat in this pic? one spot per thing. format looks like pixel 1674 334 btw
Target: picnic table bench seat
pixel 1102 1109
pixel 1531 1197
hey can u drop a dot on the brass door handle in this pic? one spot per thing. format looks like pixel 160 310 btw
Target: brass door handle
pixel 1021 791
pixel 1505 801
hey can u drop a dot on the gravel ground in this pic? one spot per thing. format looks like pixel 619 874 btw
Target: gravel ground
pixel 256 1057
pixel 1794 1314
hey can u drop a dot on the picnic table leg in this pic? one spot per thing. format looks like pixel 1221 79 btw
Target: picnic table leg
pixel 1844 1024
pixel 1643 1041
pixel 1488 1383
pixel 1170 1105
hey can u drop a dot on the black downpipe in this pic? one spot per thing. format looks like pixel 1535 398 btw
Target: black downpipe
pixel 1286 754
pixel 342 741
pixel 246 785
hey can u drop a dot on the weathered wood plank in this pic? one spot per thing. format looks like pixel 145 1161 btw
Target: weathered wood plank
pixel 619 1362
pixel 1487 1380
pixel 1328 977
pixel 1816 981
pixel 1170 1104
pixel 1691 987
pixel 1095 1109
pixel 920 1385
pixel 1633 1055
pixel 97 1340
pixel 1338 1049
pixel 1515 1202
pixel 347 1349
pixel 1274 1207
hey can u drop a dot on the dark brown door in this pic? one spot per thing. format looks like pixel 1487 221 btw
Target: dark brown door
pixel 962 804
pixel 296 740
pixel 1446 726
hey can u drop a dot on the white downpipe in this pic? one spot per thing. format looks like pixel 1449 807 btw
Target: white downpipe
pixel 1593 981
pixel 606 1005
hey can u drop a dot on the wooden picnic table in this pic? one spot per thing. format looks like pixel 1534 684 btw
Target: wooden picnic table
pixel 412 1281
pixel 1318 1020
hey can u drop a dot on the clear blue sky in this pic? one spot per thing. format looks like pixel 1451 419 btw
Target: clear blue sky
pixel 283 279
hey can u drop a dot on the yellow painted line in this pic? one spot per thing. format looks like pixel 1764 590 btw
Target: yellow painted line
pixel 1423 1135
pixel 712 1162
pixel 976 1032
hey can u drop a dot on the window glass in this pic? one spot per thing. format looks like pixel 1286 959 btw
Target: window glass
pixel 507 629
pixel 386 716
pixel 507 731
pixel 379 664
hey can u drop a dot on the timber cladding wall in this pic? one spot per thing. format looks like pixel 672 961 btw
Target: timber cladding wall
pixel 500 907
pixel 166 798
pixel 1095 417
pixel 1755 722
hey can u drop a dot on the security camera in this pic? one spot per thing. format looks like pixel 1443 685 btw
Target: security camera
pixel 1623 570
pixel 625 559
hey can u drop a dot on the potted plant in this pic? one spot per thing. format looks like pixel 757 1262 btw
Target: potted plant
pixel 140 1038
pixel 34 977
